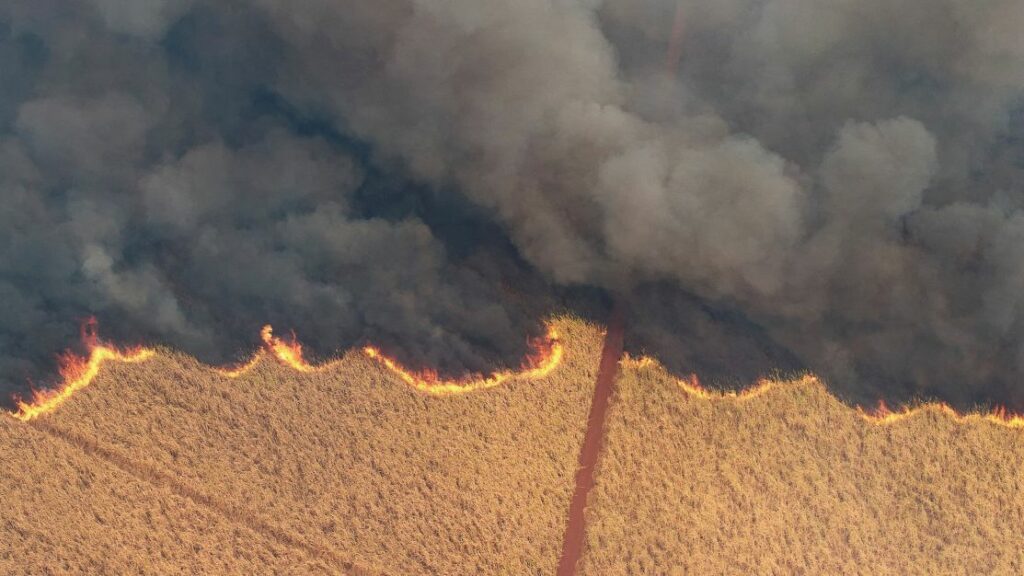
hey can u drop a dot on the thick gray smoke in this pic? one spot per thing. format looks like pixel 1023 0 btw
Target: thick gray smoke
pixel 831 185
pixel 151 178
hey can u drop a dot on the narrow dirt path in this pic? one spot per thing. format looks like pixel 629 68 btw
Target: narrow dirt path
pixel 232 514
pixel 575 532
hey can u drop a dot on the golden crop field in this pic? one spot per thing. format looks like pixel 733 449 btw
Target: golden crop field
pixel 791 481
pixel 167 466
pixel 67 511
pixel 169 463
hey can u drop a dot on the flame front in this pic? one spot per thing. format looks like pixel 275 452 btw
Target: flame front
pixel 77 373
pixel 881 416
pixel 288 353
pixel 546 357
pixel 999 415
pixel 238 370
pixel 693 387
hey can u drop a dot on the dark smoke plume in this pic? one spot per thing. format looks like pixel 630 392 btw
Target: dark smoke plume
pixel 833 186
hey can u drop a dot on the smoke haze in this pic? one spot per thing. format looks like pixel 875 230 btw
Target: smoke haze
pixel 832 186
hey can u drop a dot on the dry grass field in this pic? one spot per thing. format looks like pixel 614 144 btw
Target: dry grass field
pixel 791 481
pixel 347 469
pixel 166 466
pixel 67 512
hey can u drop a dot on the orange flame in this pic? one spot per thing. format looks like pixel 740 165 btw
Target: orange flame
pixel 288 353
pixel 543 361
pixel 77 373
pixel 692 386
pixel 240 369
pixel 881 416
pixel 540 363
pixel 638 363
pixel 998 415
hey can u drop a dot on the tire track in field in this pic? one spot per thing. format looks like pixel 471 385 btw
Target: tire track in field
pixel 233 514
pixel 575 532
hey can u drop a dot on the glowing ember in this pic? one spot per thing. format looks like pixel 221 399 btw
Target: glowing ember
pixel 77 372
pixel 547 357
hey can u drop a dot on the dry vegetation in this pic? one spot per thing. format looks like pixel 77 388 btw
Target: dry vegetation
pixel 168 466
pixel 794 482
pixel 65 512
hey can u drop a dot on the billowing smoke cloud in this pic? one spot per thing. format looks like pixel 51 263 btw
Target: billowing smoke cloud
pixel 151 178
pixel 835 186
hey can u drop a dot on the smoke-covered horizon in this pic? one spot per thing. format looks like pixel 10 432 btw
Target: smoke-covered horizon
pixel 834 186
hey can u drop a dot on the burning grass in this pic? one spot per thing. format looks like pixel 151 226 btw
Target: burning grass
pixel 784 479
pixel 347 460
pixel 78 372
pixel 149 462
